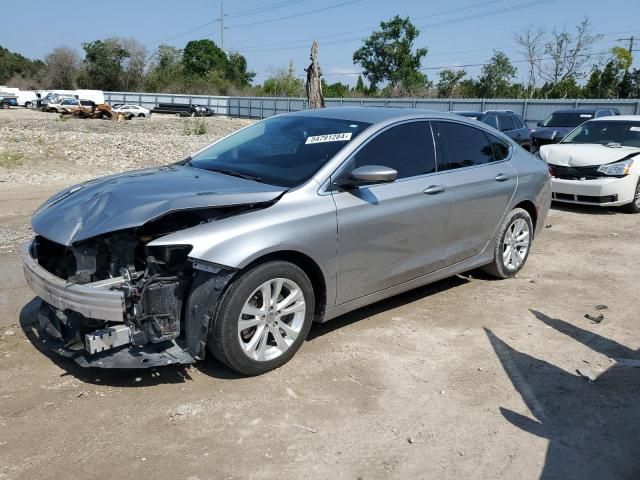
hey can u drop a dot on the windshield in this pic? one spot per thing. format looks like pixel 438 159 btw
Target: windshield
pixel 566 119
pixel 284 151
pixel 625 134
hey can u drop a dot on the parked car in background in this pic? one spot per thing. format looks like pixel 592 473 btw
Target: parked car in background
pixel 184 109
pixel 134 110
pixel 8 100
pixel 96 96
pixel 506 121
pixel 298 218
pixel 26 98
pixel 62 104
pixel 598 163
pixel 557 125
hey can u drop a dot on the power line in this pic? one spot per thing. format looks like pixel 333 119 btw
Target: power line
pixel 264 8
pixel 295 42
pixel 439 24
pixel 261 22
pixel 237 14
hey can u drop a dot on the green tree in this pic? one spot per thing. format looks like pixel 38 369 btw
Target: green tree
pixel 202 56
pixel 14 64
pixel 566 88
pixel 388 56
pixel 237 72
pixel 166 70
pixel 360 88
pixel 449 81
pixel 613 80
pixel 63 67
pixel 103 64
pixel 335 90
pixel 284 82
pixel 496 76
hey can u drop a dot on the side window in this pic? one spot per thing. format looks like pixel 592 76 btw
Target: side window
pixel 407 148
pixel 491 120
pixel 499 148
pixel 463 146
pixel 518 121
pixel 506 123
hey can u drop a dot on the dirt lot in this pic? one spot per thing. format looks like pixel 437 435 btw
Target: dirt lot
pixel 466 378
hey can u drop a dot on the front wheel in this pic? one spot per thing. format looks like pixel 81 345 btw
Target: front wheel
pixel 634 207
pixel 263 318
pixel 512 248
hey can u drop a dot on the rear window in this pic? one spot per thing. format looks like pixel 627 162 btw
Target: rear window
pixel 567 119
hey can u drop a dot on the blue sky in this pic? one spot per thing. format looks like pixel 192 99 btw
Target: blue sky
pixel 456 32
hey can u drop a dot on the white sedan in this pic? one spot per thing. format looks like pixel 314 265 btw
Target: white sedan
pixel 598 163
pixel 134 110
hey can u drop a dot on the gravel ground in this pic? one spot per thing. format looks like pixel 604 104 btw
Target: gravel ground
pixel 40 148
pixel 466 378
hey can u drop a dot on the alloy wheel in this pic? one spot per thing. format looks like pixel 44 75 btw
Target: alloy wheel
pixel 271 319
pixel 516 244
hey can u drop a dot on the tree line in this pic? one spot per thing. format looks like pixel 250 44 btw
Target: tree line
pixel 560 63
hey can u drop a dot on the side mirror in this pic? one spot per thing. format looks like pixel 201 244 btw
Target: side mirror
pixel 367 175
pixel 539 124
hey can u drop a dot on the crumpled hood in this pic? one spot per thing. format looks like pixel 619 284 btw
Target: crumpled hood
pixel 584 154
pixel 132 199
pixel 551 133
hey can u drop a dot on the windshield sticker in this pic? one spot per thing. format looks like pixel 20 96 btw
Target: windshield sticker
pixel 585 115
pixel 634 129
pixel 333 137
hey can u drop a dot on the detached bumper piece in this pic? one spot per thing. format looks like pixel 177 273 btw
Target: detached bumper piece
pixel 107 345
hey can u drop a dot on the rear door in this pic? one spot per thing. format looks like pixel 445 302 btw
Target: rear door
pixel 394 232
pixel 482 185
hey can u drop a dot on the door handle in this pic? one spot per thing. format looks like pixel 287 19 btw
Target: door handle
pixel 501 177
pixel 434 189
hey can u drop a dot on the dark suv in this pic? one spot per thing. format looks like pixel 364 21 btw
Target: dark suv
pixel 508 122
pixel 557 125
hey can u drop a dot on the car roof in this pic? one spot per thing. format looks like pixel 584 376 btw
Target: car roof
pixel 371 115
pixel 618 118
pixel 581 110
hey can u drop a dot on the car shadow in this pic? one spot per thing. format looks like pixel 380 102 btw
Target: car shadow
pixel 320 329
pixel 593 428
pixel 118 377
pixel 585 209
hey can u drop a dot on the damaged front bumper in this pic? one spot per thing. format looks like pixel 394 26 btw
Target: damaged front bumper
pixel 89 323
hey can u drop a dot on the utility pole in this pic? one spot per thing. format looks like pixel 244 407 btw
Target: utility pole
pixel 631 41
pixel 221 28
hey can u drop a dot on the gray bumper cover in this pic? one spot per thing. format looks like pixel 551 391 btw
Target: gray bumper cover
pixel 93 300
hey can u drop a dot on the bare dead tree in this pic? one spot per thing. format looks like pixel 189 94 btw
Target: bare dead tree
pixel 568 54
pixel 314 85
pixel 531 40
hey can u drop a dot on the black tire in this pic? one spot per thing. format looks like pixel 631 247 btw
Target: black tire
pixel 224 340
pixel 4 105
pixel 634 206
pixel 141 115
pixel 498 268
pixel 27 105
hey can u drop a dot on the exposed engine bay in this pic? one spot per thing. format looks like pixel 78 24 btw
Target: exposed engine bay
pixel 154 281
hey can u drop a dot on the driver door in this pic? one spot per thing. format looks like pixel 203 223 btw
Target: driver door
pixel 391 233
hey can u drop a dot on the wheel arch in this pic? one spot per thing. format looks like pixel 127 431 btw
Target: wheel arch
pixel 309 266
pixel 530 208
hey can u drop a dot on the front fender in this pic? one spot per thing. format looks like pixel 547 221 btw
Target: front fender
pixel 301 221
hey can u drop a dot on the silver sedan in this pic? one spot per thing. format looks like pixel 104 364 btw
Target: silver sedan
pixel 298 218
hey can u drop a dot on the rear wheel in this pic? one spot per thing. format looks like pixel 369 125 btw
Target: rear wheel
pixel 634 207
pixel 263 318
pixel 512 248
pixel 141 115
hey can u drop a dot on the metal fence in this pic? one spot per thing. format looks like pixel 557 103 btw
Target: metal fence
pixel 533 111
